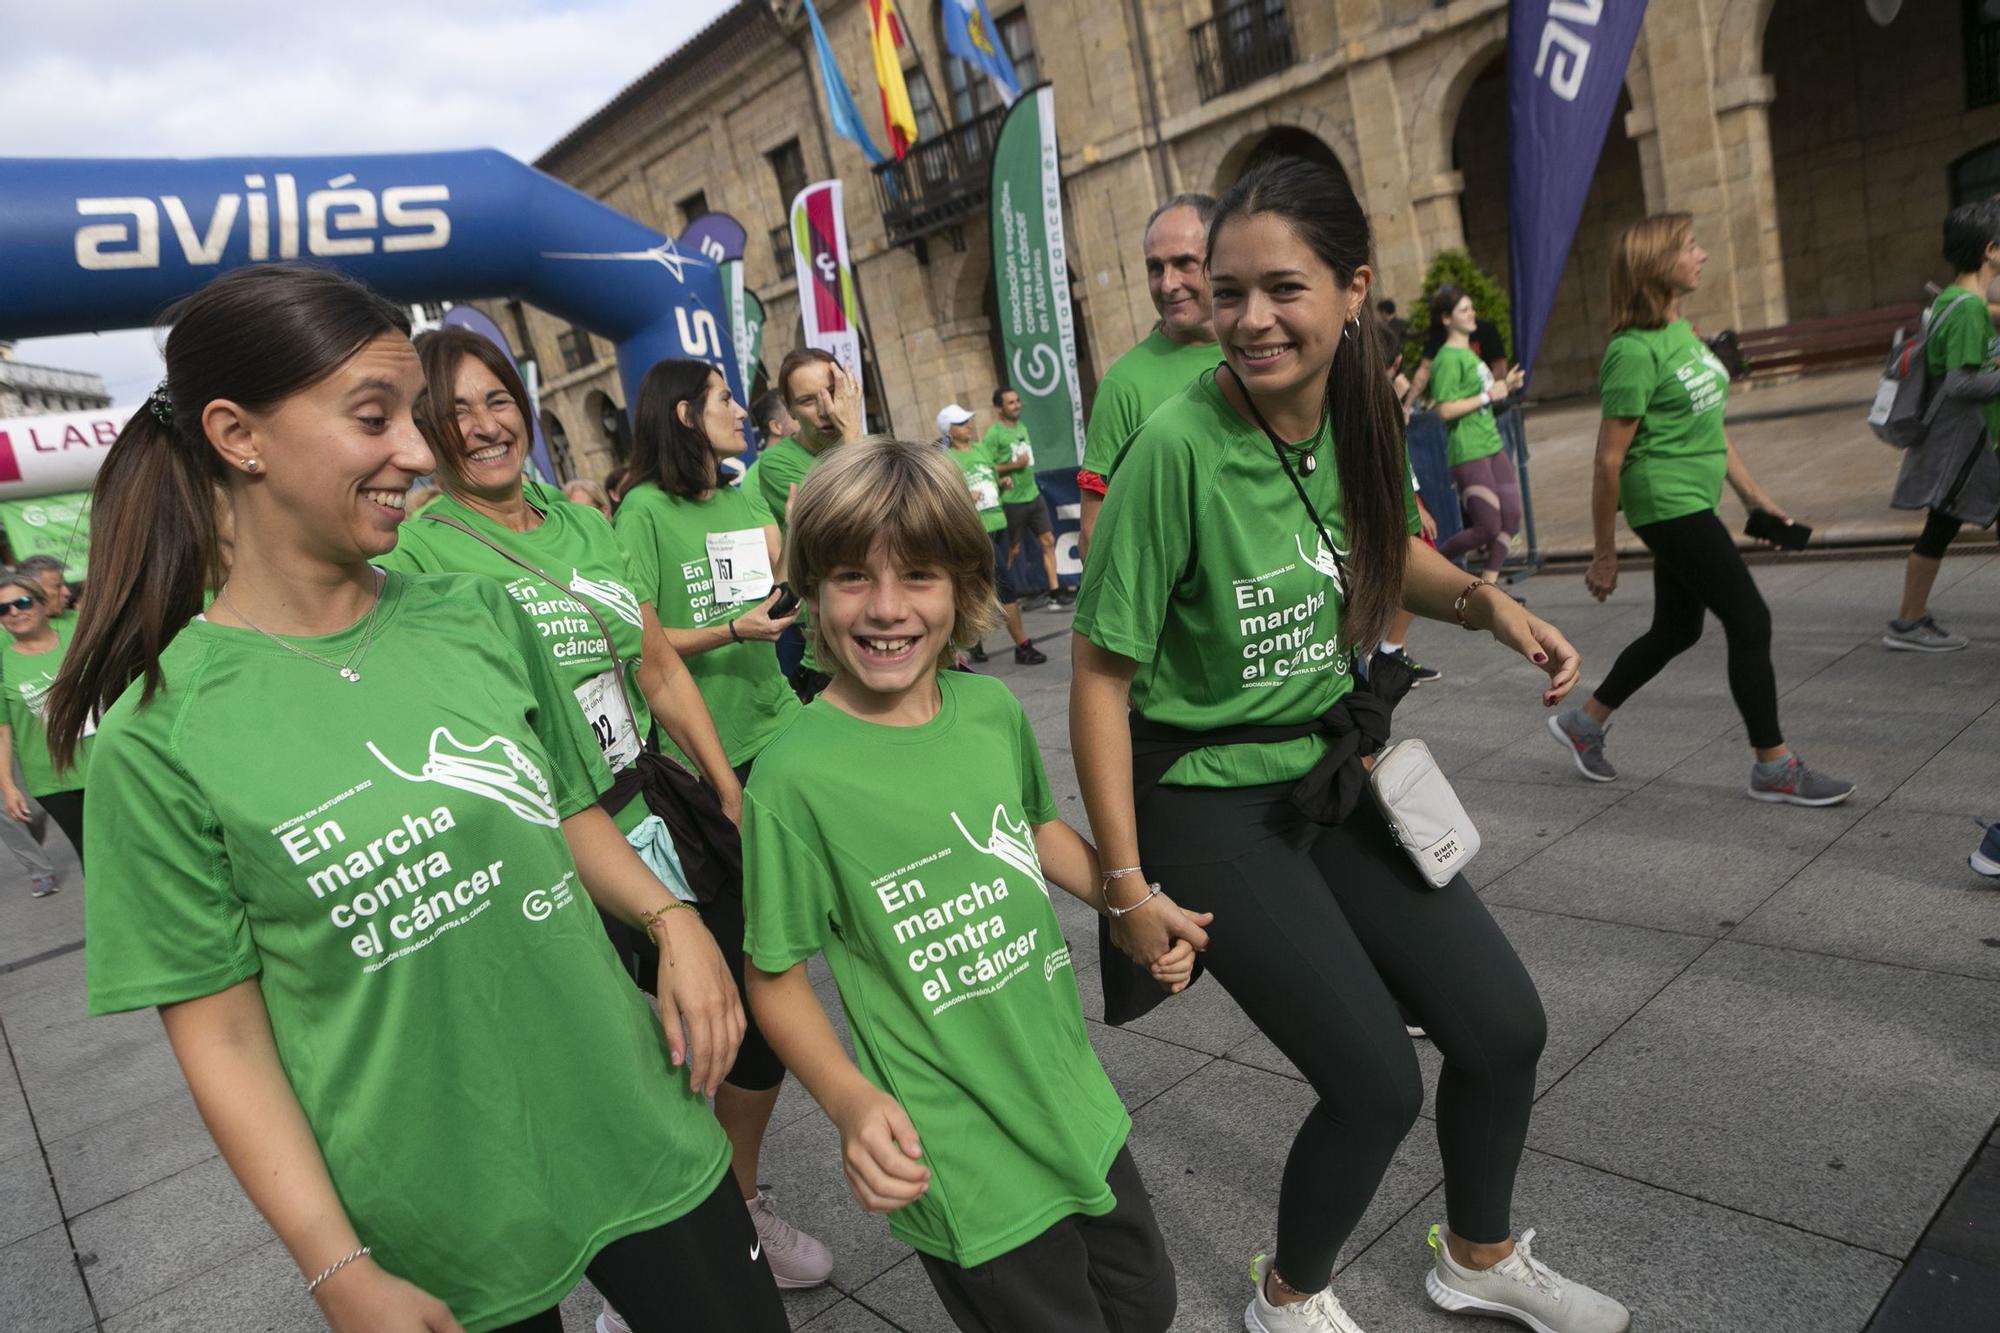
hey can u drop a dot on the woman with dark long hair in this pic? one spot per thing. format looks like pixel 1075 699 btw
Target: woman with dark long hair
pixel 345 834
pixel 567 573
pixel 1465 389
pixel 1662 457
pixel 1261 537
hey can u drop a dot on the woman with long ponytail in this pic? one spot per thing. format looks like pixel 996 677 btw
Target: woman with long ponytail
pixel 1261 537
pixel 344 834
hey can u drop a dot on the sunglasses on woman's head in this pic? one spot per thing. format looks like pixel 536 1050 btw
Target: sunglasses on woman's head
pixel 16 604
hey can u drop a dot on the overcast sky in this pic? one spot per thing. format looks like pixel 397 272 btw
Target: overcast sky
pixel 212 78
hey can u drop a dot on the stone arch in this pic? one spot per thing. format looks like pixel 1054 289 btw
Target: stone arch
pixel 559 446
pixel 1739 40
pixel 1433 114
pixel 610 423
pixel 1223 155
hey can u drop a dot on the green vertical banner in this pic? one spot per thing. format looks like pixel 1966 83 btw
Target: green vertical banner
pixel 57 525
pixel 1031 279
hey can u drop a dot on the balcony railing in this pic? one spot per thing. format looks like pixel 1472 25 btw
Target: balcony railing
pixel 1241 45
pixel 940 180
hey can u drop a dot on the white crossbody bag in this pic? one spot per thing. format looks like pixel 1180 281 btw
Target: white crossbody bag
pixel 1416 800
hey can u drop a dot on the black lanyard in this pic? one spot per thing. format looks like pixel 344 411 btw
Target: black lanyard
pixel 1284 461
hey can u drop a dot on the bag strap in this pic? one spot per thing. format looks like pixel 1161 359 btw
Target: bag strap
pixel 617 662
pixel 1284 461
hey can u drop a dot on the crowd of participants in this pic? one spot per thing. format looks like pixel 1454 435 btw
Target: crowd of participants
pixel 571 785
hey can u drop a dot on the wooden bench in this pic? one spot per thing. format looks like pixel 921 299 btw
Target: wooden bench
pixel 1831 342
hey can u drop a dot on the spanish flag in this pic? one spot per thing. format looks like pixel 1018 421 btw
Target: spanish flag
pixel 886 38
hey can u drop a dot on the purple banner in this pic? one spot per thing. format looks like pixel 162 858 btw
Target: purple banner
pixel 1565 64
pixel 717 237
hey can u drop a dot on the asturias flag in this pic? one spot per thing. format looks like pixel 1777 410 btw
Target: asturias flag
pixel 840 106
pixel 886 37
pixel 970 35
pixel 1565 64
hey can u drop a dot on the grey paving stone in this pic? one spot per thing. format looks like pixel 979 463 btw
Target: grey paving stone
pixel 1654 732
pixel 904 1297
pixel 79 1071
pixel 39 1286
pixel 1841 1097
pixel 1674 858
pixel 1517 820
pixel 160 1236
pixel 1963 778
pixel 1872 745
pixel 1895 888
pixel 802 1165
pixel 17 1128
pixel 1940 1291
pixel 1677 1263
pixel 1969 1223
pixel 1211 1152
pixel 1141 1067
pixel 27 1201
pixel 848 1317
pixel 129 1151
pixel 1202 1017
pixel 258 1291
pixel 1963 683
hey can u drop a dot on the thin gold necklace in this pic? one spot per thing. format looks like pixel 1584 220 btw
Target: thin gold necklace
pixel 350 669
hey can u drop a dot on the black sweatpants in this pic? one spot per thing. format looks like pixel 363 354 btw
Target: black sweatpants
pixel 703 1272
pixel 66 808
pixel 1697 569
pixel 1318 933
pixel 1108 1274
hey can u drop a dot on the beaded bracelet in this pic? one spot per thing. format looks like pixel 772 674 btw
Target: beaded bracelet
pixel 1465 599
pixel 650 919
pixel 335 1267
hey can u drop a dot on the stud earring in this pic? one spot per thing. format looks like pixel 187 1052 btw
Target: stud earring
pixel 251 465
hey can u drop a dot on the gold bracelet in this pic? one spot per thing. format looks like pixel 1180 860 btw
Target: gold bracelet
pixel 1465 599
pixel 650 919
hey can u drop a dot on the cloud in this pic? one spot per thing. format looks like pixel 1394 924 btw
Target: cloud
pixel 212 78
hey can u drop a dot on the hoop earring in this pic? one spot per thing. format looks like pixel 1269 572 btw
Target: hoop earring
pixel 1352 330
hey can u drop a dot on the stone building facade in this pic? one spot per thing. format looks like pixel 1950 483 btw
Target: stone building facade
pixel 1816 151
pixel 31 391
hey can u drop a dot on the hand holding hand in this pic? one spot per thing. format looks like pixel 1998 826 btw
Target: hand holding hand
pixel 696 990
pixel 879 1151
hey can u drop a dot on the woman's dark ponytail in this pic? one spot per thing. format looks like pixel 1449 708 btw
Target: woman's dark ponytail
pixel 1321 209
pixel 255 337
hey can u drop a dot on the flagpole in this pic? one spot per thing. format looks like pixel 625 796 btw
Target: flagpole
pixel 873 366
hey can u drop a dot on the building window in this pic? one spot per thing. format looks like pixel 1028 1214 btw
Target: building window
pixel 1982 52
pixel 574 345
pixel 971 91
pixel 930 125
pixel 694 206
pixel 788 166
pixel 1976 176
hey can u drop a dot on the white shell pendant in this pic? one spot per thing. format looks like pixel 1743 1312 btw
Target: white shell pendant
pixel 1312 462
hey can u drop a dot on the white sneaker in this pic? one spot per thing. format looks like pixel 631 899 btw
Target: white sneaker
pixel 1524 1289
pixel 1317 1313
pixel 609 1322
pixel 796 1259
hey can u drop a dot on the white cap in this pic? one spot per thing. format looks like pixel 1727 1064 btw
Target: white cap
pixel 952 415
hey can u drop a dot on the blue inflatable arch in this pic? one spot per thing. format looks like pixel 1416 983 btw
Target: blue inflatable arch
pixel 95 244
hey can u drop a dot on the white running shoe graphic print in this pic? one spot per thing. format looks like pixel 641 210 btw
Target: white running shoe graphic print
pixel 616 596
pixel 513 780
pixel 1010 842
pixel 1321 559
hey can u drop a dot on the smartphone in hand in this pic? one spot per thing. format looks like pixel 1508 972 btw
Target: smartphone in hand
pixel 1766 526
pixel 783 603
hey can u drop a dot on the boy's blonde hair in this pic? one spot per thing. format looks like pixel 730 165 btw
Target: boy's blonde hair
pixel 1642 270
pixel 909 496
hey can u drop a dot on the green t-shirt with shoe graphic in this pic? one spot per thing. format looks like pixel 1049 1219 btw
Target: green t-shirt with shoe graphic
pixel 1672 384
pixel 671 546
pixel 1456 373
pixel 1137 383
pixel 574 543
pixel 24 707
pixel 983 482
pixel 907 856
pixel 1008 444
pixel 1207 571
pixel 1964 338
pixel 492 1096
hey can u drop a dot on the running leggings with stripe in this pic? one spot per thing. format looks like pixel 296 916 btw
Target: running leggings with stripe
pixel 1697 569
pixel 1318 933
pixel 1490 491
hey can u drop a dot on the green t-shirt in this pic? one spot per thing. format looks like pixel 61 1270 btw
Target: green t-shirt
pixel 666 541
pixel 1457 372
pixel 493 1097
pixel 1004 443
pixel 575 543
pixel 24 707
pixel 1669 380
pixel 1137 383
pixel 1964 338
pixel 976 462
pixel 778 468
pixel 907 856
pixel 1207 571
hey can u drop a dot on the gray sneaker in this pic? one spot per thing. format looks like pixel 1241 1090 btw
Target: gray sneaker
pixel 1584 740
pixel 1795 784
pixel 1922 635
pixel 1524 1289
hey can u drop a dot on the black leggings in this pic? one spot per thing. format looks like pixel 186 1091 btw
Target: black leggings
pixel 1696 569
pixel 1318 933
pixel 701 1271
pixel 66 808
